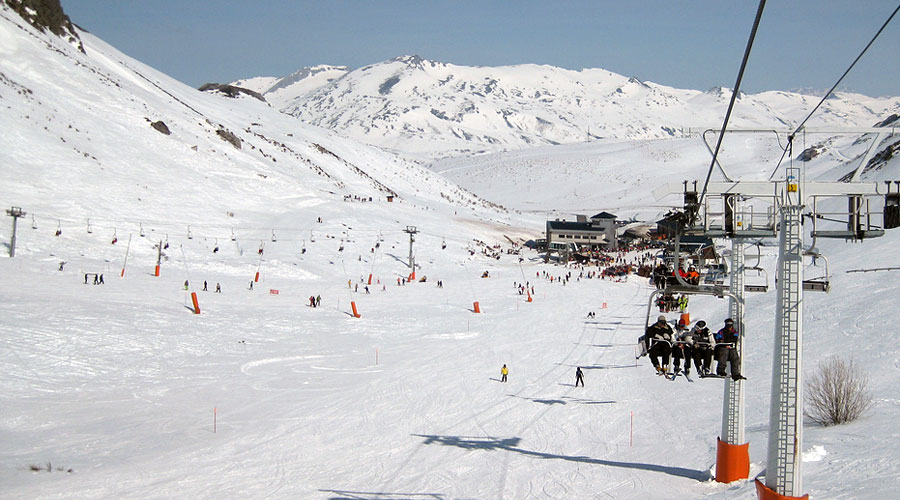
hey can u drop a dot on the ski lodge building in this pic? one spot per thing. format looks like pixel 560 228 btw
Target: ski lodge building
pixel 595 234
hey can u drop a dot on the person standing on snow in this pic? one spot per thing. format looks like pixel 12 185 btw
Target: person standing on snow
pixel 579 376
pixel 503 373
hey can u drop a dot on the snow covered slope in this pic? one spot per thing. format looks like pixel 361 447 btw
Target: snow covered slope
pixel 78 123
pixel 644 178
pixel 120 391
pixel 429 110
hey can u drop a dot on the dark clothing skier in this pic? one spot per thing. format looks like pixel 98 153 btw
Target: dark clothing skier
pixel 703 342
pixel 579 377
pixel 659 340
pixel 726 351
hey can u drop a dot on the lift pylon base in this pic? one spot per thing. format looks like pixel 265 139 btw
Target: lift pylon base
pixel 763 492
pixel 732 461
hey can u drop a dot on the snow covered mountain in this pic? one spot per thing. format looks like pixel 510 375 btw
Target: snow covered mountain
pixel 120 391
pixel 429 110
pixel 102 111
pixel 282 91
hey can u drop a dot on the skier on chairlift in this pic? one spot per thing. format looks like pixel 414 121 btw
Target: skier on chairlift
pixel 726 351
pixel 703 342
pixel 682 349
pixel 658 340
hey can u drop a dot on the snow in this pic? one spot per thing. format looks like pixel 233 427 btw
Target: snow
pixel 261 396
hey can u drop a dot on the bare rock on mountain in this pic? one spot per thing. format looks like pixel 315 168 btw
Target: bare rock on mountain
pixel 230 90
pixel 161 127
pixel 47 15
pixel 229 137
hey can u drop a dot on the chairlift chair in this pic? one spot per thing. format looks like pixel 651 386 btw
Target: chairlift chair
pixel 142 230
pixel 89 228
pixel 189 235
pixel 760 272
pixel 820 283
pixel 273 236
pixel 58 228
pixel 33 223
pixel 232 235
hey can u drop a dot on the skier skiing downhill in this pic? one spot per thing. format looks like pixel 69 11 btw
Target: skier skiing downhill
pixel 579 376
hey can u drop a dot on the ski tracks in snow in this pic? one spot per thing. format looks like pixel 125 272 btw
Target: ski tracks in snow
pixel 552 486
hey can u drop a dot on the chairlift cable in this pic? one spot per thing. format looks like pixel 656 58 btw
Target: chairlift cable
pixel 734 94
pixel 831 90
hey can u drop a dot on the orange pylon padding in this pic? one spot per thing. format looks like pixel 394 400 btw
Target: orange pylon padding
pixel 686 318
pixel 355 312
pixel 732 461
pixel 156 273
pixel 123 272
pixel 196 304
pixel 256 278
pixel 370 278
pixel 529 298
pixel 477 309
pixel 763 492
pixel 412 277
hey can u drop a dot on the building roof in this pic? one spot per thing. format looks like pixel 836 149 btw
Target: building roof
pixel 604 215
pixel 560 225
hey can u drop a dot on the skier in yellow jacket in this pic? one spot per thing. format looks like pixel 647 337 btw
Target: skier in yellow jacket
pixel 503 373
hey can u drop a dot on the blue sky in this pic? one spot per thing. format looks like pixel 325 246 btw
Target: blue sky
pixel 801 44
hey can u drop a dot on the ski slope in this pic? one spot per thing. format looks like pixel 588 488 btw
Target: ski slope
pixel 121 391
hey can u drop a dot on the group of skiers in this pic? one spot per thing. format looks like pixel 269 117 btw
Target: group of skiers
pixel 697 344
pixel 663 275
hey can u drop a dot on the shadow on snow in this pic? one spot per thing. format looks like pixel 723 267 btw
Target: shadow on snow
pixel 512 444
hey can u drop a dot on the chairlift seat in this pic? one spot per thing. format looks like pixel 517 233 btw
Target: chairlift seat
pixel 817 285
pixel 849 235
pixel 756 288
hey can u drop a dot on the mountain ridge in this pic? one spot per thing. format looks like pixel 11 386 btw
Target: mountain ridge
pixel 427 110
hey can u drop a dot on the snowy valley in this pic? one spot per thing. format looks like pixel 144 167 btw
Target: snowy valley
pixel 120 391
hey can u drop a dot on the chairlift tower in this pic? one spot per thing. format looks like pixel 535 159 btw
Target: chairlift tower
pixel 724 213
pixel 15 213
pixel 412 238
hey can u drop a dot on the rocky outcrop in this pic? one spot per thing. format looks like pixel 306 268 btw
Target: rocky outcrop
pixel 47 15
pixel 229 137
pixel 230 90
pixel 161 127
